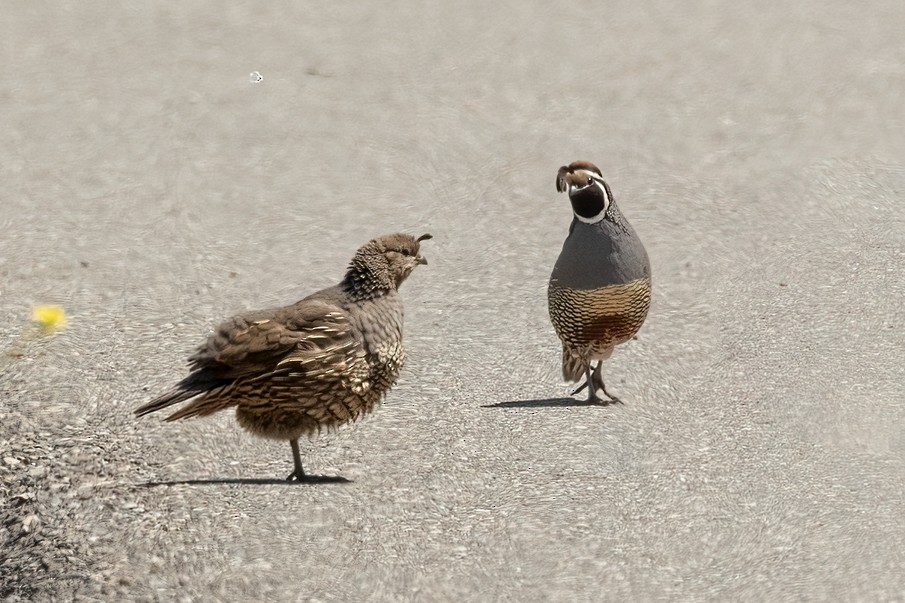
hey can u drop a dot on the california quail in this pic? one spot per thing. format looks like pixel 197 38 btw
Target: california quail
pixel 321 362
pixel 599 292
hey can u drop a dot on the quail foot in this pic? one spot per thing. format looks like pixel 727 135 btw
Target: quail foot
pixel 600 289
pixel 317 364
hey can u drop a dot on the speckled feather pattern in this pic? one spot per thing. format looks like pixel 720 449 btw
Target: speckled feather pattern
pixel 317 364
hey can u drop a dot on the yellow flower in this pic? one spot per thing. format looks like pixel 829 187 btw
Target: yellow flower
pixel 49 317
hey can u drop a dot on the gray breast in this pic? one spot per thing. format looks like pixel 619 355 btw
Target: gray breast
pixel 601 254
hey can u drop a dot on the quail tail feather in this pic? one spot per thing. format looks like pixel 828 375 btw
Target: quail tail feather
pixel 205 405
pixel 174 396
pixel 573 368
pixel 186 389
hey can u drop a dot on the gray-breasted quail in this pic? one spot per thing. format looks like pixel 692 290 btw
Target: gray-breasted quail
pixel 599 292
pixel 321 362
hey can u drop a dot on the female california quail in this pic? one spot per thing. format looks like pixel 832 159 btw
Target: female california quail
pixel 321 362
pixel 599 292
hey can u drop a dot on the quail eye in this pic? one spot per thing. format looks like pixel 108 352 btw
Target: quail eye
pixel 590 181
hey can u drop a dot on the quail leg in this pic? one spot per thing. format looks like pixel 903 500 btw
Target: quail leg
pixel 298 474
pixel 580 388
pixel 591 376
pixel 584 384
pixel 598 382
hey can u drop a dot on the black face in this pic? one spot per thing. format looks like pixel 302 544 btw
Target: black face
pixel 587 202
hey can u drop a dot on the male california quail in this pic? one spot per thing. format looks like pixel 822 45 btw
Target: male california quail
pixel 321 362
pixel 599 292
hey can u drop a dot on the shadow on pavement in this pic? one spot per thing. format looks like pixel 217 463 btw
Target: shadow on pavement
pixel 311 480
pixel 545 403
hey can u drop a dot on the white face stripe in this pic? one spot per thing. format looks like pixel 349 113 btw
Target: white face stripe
pixel 598 182
pixel 593 220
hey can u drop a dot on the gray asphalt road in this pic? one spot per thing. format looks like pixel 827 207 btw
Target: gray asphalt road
pixel 151 188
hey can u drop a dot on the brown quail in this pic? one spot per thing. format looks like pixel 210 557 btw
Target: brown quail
pixel 317 364
pixel 599 292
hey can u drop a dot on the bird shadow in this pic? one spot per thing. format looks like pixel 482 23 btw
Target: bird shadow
pixel 309 481
pixel 541 403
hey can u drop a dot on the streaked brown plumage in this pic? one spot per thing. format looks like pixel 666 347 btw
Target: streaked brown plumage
pixel 599 292
pixel 321 362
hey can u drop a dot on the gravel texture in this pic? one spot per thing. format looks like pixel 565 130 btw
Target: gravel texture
pixel 153 185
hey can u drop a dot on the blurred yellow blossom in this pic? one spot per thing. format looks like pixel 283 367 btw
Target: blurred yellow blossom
pixel 49 317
